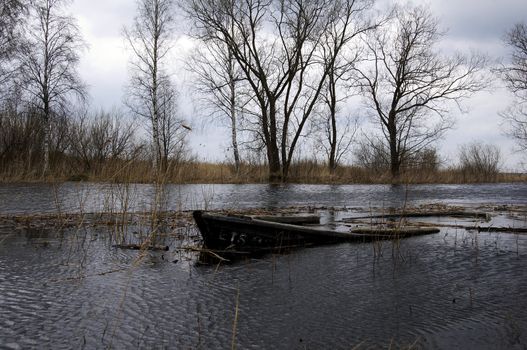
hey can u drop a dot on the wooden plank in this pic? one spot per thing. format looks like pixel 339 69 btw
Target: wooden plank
pixel 401 231
pixel 464 214
pixel 296 220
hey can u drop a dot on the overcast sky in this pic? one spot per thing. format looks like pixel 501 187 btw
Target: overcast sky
pixel 471 24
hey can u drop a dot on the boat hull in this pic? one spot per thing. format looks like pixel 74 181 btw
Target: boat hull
pixel 249 235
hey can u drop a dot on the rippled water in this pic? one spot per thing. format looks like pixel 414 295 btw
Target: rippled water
pixel 460 290
pixel 89 197
pixel 455 289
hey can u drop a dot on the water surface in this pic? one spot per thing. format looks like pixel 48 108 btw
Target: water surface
pixel 71 289
pixel 90 197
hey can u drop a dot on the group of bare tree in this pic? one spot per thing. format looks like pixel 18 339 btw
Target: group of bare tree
pixel 85 144
pixel 39 55
pixel 479 161
pixel 278 71
pixel 12 14
pixel 284 52
pixel 48 65
pixel 151 94
pixel 292 62
pixel 42 92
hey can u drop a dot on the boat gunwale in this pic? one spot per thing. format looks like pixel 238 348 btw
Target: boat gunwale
pixel 278 225
pixel 361 234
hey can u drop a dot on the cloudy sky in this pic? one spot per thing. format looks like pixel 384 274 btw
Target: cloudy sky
pixel 471 24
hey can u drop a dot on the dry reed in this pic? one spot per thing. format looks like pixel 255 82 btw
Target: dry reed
pixel 194 172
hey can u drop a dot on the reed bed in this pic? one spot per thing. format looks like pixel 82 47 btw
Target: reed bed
pixel 195 172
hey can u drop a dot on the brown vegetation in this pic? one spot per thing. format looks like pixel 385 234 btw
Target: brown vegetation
pixel 104 148
pixel 195 172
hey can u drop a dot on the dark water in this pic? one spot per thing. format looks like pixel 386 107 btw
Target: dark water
pixel 455 289
pixel 39 198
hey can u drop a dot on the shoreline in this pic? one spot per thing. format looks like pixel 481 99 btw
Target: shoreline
pixel 506 179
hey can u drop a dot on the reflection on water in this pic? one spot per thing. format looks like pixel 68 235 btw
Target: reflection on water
pixel 74 197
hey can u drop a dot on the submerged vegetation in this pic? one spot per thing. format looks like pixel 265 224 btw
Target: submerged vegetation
pixel 71 264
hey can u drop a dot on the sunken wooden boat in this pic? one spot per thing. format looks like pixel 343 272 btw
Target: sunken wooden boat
pixel 245 234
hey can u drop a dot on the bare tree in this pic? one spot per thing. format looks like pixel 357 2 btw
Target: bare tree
pixel 479 162
pixel 151 94
pixel 49 62
pixel 338 61
pixel 172 128
pixel 336 135
pixel 10 13
pixel 218 80
pixel 20 139
pixel 409 84
pixel 96 139
pixel 515 77
pixel 372 154
pixel 277 45
pixel 12 16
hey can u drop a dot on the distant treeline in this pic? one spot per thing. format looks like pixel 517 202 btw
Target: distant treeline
pixel 104 148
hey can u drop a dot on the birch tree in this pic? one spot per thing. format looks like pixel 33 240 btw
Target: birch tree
pixel 49 61
pixel 218 82
pixel 151 93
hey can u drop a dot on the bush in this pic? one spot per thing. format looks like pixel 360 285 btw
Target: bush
pixel 479 162
pixel 373 155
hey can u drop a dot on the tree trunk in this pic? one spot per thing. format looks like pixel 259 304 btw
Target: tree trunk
pixel 45 95
pixel 275 169
pixel 47 146
pixel 47 133
pixel 235 145
pixel 273 152
pixel 156 161
pixel 234 137
pixel 333 115
pixel 394 151
pixel 155 105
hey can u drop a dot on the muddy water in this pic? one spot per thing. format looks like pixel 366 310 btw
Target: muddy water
pixel 455 289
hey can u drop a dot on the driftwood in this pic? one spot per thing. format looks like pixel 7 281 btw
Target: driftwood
pixel 497 229
pixel 473 228
pixel 400 231
pixel 464 214
pixel 141 247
